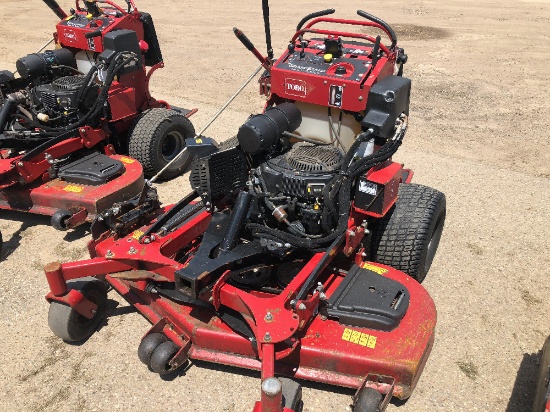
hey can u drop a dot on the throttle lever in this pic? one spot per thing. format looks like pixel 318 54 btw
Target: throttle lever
pixel 250 46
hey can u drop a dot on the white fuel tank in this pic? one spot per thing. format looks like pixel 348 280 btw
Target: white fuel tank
pixel 315 125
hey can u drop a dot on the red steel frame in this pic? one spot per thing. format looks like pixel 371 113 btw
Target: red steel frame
pixel 293 342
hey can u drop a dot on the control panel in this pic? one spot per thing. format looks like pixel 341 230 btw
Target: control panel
pixel 328 72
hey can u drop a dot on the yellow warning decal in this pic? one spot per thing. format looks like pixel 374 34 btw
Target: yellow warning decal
pixel 137 234
pixel 199 141
pixel 127 160
pixel 359 338
pixel 376 269
pixel 73 189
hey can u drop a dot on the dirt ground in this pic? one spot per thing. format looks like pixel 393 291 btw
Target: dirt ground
pixel 478 132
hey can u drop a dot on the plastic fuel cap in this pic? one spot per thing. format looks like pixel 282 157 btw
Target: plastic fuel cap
pixel 328 58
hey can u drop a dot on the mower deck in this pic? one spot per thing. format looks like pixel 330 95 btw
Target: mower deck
pixel 329 352
pixel 46 198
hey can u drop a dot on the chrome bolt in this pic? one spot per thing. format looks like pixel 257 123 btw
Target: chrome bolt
pixel 132 251
pixel 267 337
pixel 268 317
pixel 109 254
pixel 271 386
pixel 20 164
pixel 301 306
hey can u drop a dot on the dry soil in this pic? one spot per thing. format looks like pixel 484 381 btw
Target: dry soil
pixel 478 132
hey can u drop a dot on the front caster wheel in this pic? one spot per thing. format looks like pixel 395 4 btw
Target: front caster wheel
pixel 67 323
pixel 148 346
pixel 368 401
pixel 161 357
pixel 60 218
pixel 292 394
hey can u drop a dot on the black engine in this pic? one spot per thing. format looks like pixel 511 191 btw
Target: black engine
pixel 62 101
pixel 295 182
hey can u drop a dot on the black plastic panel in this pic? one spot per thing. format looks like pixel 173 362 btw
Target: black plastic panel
pixel 369 300
pixel 94 170
pixel 387 100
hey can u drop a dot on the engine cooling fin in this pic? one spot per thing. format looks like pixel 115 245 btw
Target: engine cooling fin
pixel 69 82
pixel 312 158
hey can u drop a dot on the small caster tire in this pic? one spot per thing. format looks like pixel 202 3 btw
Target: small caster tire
pixel 161 357
pixel 148 346
pixel 60 218
pixel 67 323
pixel 292 394
pixel 368 401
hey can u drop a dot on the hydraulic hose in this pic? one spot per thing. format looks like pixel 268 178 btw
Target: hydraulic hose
pixel 6 111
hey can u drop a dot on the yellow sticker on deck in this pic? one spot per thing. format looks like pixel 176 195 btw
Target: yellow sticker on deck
pixel 376 269
pixel 137 234
pixel 359 338
pixel 73 189
pixel 127 160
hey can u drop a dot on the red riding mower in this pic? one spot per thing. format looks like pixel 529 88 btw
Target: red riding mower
pixel 304 255
pixel 72 109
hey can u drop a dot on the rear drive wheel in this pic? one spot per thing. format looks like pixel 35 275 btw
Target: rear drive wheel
pixel 542 396
pixel 70 325
pixel 59 219
pixel 157 138
pixel 408 236
pixel 368 401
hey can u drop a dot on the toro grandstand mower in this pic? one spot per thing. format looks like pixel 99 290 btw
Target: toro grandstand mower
pixel 284 265
pixel 69 111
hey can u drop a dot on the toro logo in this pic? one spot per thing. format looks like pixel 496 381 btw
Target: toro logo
pixel 70 36
pixel 295 87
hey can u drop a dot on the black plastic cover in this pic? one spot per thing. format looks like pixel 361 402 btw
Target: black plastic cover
pixel 38 64
pixel 264 130
pixel 219 175
pixel 201 147
pixel 367 299
pixel 94 170
pixel 6 76
pixel 119 41
pixel 388 99
pixel 153 55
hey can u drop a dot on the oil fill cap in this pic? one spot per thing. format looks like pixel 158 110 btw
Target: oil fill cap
pixel 328 58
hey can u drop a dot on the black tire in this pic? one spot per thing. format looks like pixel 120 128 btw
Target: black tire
pixel 292 394
pixel 67 323
pixel 59 219
pixel 408 236
pixel 161 357
pixel 148 346
pixel 368 401
pixel 543 388
pixel 157 138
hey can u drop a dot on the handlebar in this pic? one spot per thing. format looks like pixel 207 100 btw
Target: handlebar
pixel 382 23
pixel 341 34
pixel 110 3
pixel 313 15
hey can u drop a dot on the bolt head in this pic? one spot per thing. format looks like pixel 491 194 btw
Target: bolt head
pixel 267 337
pixel 301 306
pixel 272 386
pixel 269 317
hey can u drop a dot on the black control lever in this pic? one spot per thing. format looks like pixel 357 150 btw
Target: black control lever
pixel 248 44
pixel 92 34
pixel 52 4
pixel 313 15
pixel 382 23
